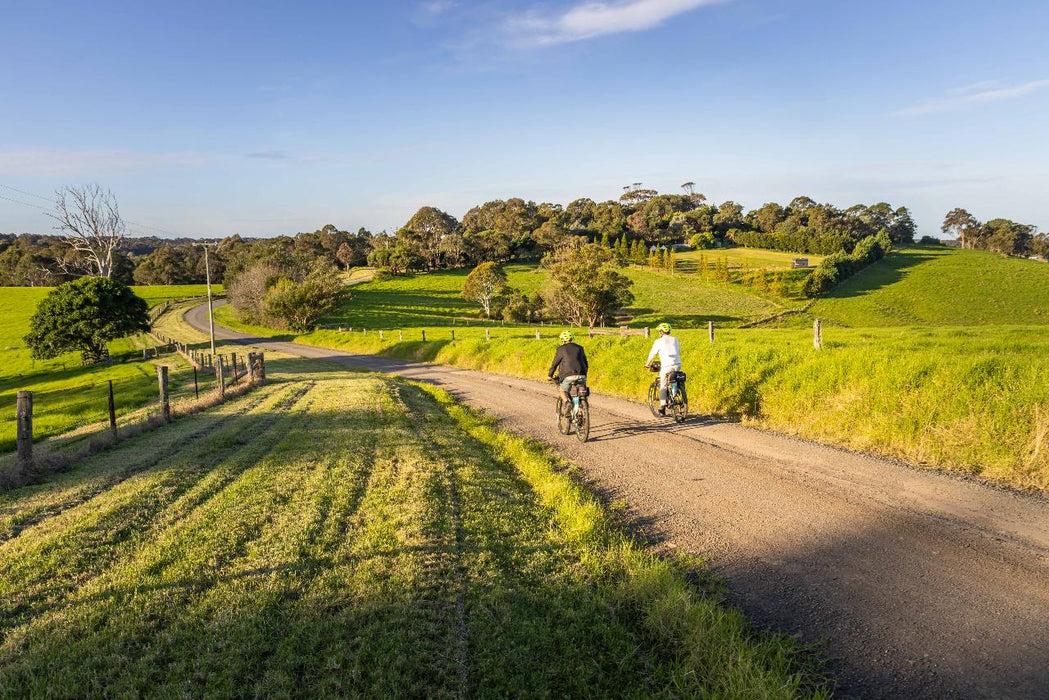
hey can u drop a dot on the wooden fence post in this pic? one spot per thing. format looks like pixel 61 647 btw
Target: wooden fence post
pixel 424 335
pixel 710 330
pixel 233 361
pixel 112 411
pixel 24 418
pixel 196 387
pixel 453 334
pixel 162 383
pixel 537 334
pixel 487 334
pixel 220 376
pixel 817 335
pixel 380 335
pixel 262 366
pixel 144 353
pixel 648 331
pixel 400 335
pixel 251 368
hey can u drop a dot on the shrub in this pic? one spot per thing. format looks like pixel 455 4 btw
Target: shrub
pixel 247 291
pixel 298 305
pixel 839 266
pixel 702 240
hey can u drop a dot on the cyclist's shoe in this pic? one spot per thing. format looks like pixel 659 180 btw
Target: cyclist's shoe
pixel 662 410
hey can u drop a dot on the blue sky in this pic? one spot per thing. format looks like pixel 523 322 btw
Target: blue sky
pixel 210 118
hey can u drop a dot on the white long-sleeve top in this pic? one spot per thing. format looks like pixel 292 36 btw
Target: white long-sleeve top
pixel 668 349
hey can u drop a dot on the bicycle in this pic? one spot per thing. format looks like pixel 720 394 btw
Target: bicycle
pixel 677 399
pixel 578 419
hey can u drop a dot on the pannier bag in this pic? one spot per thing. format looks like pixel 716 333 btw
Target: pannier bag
pixel 678 376
pixel 580 390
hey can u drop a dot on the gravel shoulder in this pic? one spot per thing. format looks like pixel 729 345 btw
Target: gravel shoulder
pixel 914 583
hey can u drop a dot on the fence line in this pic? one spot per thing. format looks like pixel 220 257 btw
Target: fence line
pixel 25 410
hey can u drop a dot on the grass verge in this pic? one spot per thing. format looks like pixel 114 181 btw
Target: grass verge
pixel 974 400
pixel 712 651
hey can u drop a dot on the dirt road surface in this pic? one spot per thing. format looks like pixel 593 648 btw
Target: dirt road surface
pixel 914 583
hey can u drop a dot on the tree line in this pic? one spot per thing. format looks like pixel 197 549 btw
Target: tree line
pixel 997 235
pixel 503 230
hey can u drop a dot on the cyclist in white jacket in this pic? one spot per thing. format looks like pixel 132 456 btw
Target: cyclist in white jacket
pixel 669 352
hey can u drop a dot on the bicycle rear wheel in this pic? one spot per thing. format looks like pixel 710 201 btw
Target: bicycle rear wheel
pixel 653 398
pixel 582 426
pixel 681 405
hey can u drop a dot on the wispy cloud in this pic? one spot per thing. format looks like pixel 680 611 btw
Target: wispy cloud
pixel 268 155
pixel 43 162
pixel 428 13
pixel 969 95
pixel 593 19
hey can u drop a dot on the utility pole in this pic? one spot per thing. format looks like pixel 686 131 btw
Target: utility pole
pixel 211 308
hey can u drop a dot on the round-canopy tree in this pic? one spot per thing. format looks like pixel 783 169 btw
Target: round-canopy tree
pixel 85 315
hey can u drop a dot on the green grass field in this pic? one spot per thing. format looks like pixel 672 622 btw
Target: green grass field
pixel 432 300
pixel 753 257
pixel 941 287
pixel 334 534
pixel 66 394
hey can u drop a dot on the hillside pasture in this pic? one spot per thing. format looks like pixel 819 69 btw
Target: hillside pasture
pixel 433 300
pixel 68 395
pixel 936 286
pixel 739 256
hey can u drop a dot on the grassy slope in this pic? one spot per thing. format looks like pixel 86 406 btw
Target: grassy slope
pixel 67 395
pixel 349 535
pixel 941 286
pixel 432 300
pixel 754 257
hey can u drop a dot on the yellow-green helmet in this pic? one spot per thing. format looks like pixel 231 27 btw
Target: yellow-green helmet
pixel 566 336
pixel 663 328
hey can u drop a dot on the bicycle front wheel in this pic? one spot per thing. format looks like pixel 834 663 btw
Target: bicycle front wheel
pixel 653 398
pixel 582 426
pixel 564 424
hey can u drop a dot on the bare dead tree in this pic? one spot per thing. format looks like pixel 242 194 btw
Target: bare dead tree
pixel 93 228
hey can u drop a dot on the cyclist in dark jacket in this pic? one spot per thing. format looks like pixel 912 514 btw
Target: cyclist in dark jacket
pixel 570 365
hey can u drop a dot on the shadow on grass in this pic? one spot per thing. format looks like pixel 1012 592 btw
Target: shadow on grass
pixel 883 273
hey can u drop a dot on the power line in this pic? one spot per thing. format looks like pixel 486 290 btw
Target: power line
pixel 27 204
pixel 30 194
pixel 138 226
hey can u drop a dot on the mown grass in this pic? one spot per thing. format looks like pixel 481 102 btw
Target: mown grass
pixel 974 399
pixel 66 394
pixel 336 535
pixel 939 286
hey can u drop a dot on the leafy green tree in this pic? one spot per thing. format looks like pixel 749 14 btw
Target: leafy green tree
pixel 84 315
pixel 426 230
pixel 484 284
pixel 962 225
pixel 298 305
pixel 728 215
pixel 587 288
pixel 768 217
pixel 521 307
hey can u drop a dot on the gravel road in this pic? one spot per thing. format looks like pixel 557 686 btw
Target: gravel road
pixel 915 584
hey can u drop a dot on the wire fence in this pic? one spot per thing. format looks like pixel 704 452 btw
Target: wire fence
pixel 66 408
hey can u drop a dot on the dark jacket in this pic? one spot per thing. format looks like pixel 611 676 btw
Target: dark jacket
pixel 570 359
